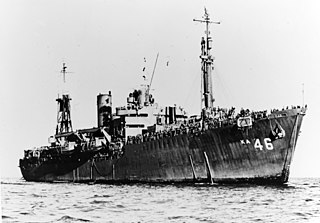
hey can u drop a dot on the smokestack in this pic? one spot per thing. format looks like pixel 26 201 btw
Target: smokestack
pixel 104 109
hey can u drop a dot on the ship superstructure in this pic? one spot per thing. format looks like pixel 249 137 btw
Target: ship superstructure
pixel 144 142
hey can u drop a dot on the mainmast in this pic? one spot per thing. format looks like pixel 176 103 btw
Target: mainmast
pixel 64 124
pixel 206 66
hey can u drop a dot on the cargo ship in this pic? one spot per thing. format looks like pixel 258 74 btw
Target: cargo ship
pixel 144 142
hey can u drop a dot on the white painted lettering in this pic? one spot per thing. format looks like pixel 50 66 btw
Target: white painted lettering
pixel 268 144
pixel 258 144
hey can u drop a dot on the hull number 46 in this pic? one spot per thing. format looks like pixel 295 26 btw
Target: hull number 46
pixel 265 144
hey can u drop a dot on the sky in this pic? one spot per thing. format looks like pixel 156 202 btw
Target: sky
pixel 266 55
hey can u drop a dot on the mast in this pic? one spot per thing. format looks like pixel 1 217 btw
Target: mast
pixel 64 124
pixel 206 66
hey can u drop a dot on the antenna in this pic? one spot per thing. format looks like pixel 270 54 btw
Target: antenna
pixel 64 72
pixel 206 19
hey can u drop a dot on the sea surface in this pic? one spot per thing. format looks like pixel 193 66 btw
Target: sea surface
pixel 298 201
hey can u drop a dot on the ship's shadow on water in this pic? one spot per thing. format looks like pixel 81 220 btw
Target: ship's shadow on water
pixel 202 185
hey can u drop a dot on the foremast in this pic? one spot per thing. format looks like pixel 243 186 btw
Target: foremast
pixel 206 68
pixel 64 124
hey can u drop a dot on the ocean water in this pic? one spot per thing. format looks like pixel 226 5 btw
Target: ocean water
pixel 298 201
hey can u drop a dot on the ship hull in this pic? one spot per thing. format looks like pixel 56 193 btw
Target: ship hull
pixel 38 170
pixel 226 154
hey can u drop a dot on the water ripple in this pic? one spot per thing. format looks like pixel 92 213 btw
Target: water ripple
pixel 67 218
pixel 299 201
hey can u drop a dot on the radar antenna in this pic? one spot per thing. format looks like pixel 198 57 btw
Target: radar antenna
pixel 64 71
